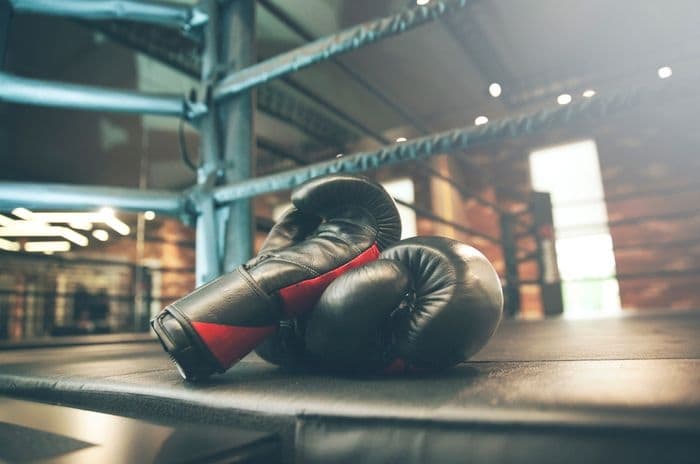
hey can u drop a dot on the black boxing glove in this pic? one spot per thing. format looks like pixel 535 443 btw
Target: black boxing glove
pixel 427 303
pixel 337 223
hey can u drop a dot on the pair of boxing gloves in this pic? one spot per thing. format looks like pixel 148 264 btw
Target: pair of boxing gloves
pixel 333 287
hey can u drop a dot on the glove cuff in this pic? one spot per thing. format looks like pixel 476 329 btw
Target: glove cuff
pixel 209 337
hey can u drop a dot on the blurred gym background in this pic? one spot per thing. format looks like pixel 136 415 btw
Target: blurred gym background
pixel 587 220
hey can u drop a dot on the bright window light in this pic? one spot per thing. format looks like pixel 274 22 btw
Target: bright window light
pixel 480 120
pixel 588 93
pixel 495 90
pixel 564 99
pixel 585 256
pixel 664 72
pixel 402 189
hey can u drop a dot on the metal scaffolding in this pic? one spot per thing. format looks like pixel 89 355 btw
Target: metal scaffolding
pixel 220 200
pixel 45 93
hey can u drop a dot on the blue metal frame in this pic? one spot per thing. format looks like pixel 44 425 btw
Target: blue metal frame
pixel 446 142
pixel 186 18
pixel 237 133
pixel 81 198
pixel 328 47
pixel 28 91
pixel 224 233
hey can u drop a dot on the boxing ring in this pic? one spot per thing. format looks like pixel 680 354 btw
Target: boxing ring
pixel 545 391
pixel 219 203
pixel 541 391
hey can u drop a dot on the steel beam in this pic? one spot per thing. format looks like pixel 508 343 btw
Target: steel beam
pixel 286 107
pixel 425 168
pixel 307 35
pixel 179 16
pixel 270 99
pixel 56 94
pixel 328 47
pixel 279 151
pixel 447 142
pixel 236 116
pixel 84 198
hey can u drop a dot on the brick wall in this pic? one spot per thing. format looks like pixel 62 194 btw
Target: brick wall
pixel 651 175
pixel 651 180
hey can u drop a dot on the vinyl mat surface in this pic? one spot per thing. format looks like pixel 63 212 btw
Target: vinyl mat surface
pixel 626 388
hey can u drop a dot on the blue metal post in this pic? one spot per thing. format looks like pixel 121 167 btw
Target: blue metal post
pixel 29 91
pixel 325 48
pixel 236 115
pixel 87 197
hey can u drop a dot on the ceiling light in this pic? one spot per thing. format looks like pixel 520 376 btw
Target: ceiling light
pixel 564 99
pixel 8 245
pixel 39 229
pixel 100 235
pixel 6 221
pixel 108 217
pixel 495 90
pixel 47 247
pixel 401 139
pixel 149 215
pixel 22 213
pixel 664 72
pixel 480 120
pixel 117 225
pixel 422 2
pixel 339 155
pixel 80 225
pixel 34 224
pixel 71 235
pixel 588 93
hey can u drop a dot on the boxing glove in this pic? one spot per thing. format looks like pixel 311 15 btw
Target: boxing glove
pixel 336 223
pixel 426 303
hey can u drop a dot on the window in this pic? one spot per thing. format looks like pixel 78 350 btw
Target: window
pixel 571 174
